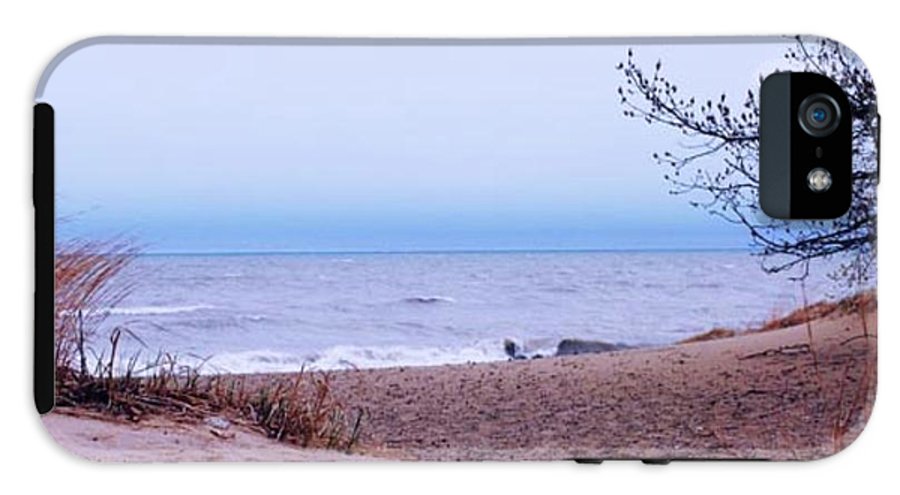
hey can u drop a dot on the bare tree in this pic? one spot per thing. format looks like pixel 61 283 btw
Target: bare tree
pixel 718 168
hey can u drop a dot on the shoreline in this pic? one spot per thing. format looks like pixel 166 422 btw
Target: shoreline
pixel 761 394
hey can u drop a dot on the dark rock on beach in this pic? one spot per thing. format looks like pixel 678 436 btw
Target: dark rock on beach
pixel 572 347
pixel 513 349
pixel 566 347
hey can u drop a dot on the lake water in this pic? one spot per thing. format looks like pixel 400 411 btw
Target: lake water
pixel 279 312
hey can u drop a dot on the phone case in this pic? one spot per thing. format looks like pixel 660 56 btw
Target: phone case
pixel 441 249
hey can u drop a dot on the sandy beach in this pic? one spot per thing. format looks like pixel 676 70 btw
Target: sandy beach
pixel 764 395
pixel 751 396
pixel 161 440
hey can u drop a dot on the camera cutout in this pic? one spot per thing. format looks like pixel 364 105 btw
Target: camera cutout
pixel 805 156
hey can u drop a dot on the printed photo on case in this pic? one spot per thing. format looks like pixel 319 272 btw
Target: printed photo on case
pixel 448 250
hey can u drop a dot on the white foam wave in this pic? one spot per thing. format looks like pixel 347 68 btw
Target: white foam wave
pixel 155 310
pixel 344 357
pixel 258 361
pixel 254 318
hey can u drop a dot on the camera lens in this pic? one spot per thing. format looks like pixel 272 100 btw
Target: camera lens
pixel 819 115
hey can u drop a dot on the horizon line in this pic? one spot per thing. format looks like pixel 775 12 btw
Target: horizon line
pixel 440 251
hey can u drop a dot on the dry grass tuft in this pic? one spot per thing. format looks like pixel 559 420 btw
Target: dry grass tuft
pixel 87 284
pixel 822 309
pixel 297 408
pixel 302 410
pixel 856 304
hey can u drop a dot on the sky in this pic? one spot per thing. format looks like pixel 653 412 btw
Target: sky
pixel 207 148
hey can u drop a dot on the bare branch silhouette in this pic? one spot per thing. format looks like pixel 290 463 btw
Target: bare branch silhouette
pixel 718 169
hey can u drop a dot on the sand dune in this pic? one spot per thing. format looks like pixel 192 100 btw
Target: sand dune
pixel 750 396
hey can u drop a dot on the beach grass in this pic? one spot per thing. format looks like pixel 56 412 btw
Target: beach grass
pixel 297 408
pixel 856 304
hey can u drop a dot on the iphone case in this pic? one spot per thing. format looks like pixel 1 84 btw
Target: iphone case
pixel 441 249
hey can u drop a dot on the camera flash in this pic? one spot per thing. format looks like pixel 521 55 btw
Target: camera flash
pixel 818 180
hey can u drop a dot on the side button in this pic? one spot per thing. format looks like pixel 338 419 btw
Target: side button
pixel 878 152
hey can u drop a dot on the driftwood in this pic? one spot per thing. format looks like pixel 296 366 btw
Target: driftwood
pixel 789 350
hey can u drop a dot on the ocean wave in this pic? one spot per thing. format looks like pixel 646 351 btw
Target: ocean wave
pixel 258 361
pixel 712 285
pixel 343 357
pixel 155 310
pixel 255 318
pixel 429 299
pixel 560 289
pixel 349 357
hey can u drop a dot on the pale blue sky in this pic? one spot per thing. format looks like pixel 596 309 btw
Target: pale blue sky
pixel 304 148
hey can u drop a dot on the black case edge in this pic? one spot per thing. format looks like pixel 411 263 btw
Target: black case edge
pixel 43 185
